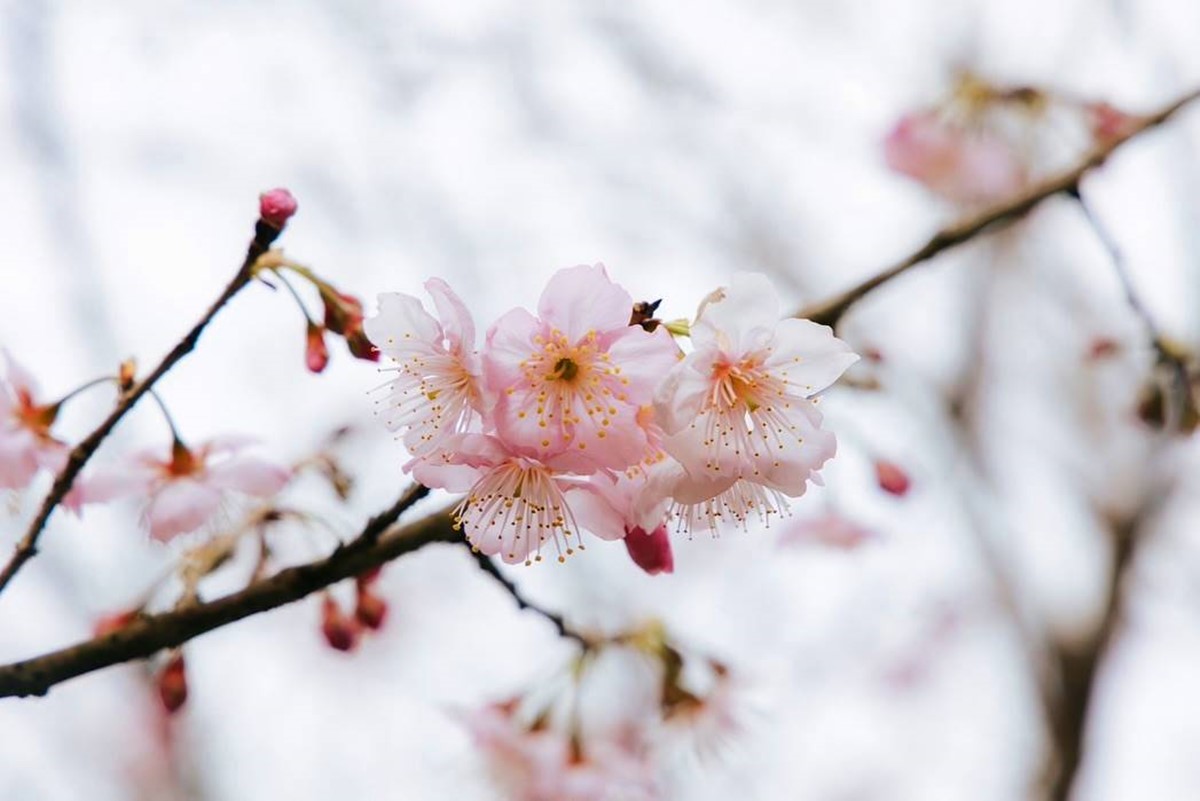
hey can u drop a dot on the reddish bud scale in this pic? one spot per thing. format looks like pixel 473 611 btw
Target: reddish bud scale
pixel 361 347
pixel 341 631
pixel 892 478
pixel 651 551
pixel 107 624
pixel 276 207
pixel 172 684
pixel 316 352
pixel 370 610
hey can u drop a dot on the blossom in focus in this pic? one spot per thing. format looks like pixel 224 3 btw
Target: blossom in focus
pixel 436 392
pixel 515 504
pixel 26 444
pixel 963 165
pixel 570 383
pixel 184 490
pixel 737 411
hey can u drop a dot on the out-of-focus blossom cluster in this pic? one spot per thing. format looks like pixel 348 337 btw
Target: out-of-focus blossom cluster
pixel 984 143
pixel 588 415
pixel 546 747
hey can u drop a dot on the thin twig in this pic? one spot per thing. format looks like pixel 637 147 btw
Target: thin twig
pixel 147 635
pixel 830 312
pixel 264 235
pixel 488 566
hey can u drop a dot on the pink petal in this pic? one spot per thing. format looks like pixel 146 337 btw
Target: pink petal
pixel 582 299
pixel 509 342
pixel 18 458
pixel 594 512
pixel 812 356
pixel 249 475
pixel 457 323
pixel 18 376
pixel 402 326
pixel 180 506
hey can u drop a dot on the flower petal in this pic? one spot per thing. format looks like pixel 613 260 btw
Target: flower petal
pixel 249 475
pixel 582 299
pixel 179 507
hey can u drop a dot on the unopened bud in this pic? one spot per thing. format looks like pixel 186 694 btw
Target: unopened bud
pixel 126 374
pixel 172 684
pixel 370 609
pixel 360 346
pixel 340 630
pixel 107 624
pixel 343 312
pixel 1102 348
pixel 276 207
pixel 1109 122
pixel 651 551
pixel 892 478
pixel 316 353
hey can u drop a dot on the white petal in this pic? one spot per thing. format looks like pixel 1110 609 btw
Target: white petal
pixel 181 506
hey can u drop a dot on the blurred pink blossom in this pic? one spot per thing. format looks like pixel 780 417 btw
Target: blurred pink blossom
pixel 831 529
pixel 184 490
pixel 965 166
pixel 26 444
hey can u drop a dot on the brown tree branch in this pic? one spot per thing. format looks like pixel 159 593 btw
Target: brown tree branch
pixel 830 312
pixel 488 566
pixel 148 634
pixel 1078 663
pixel 26 548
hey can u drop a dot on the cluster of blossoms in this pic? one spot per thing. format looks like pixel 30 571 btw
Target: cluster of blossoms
pixel 587 416
pixel 540 747
pixel 984 143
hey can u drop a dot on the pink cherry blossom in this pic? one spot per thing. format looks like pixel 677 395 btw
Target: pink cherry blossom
pixel 571 382
pixel 967 166
pixel 737 411
pixel 184 490
pixel 538 763
pixel 26 444
pixel 515 504
pixel 436 392
pixel 832 530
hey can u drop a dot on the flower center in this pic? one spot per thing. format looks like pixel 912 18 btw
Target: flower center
pixel 565 369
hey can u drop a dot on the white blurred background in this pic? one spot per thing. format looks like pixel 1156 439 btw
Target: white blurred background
pixel 493 142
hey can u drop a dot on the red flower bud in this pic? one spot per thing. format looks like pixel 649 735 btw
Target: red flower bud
pixel 172 684
pixel 369 577
pixel 651 551
pixel 107 624
pixel 892 478
pixel 1109 122
pixel 1102 348
pixel 276 207
pixel 360 346
pixel 340 630
pixel 370 610
pixel 343 313
pixel 316 353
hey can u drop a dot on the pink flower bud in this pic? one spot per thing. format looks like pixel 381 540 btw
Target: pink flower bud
pixel 360 346
pixel 107 624
pixel 276 207
pixel 316 353
pixel 343 313
pixel 1109 122
pixel 1102 348
pixel 172 684
pixel 340 630
pixel 370 610
pixel 651 551
pixel 892 478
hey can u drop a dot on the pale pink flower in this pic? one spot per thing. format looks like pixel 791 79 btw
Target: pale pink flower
pixel 515 504
pixel 435 393
pixel 184 490
pixel 961 164
pixel 26 444
pixel 738 412
pixel 832 530
pixel 570 383
pixel 537 763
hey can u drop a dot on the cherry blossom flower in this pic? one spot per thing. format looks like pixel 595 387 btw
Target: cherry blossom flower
pixel 26 444
pixel 571 382
pixel 961 164
pixel 186 489
pixel 436 392
pixel 831 529
pixel 514 503
pixel 537 763
pixel 737 411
